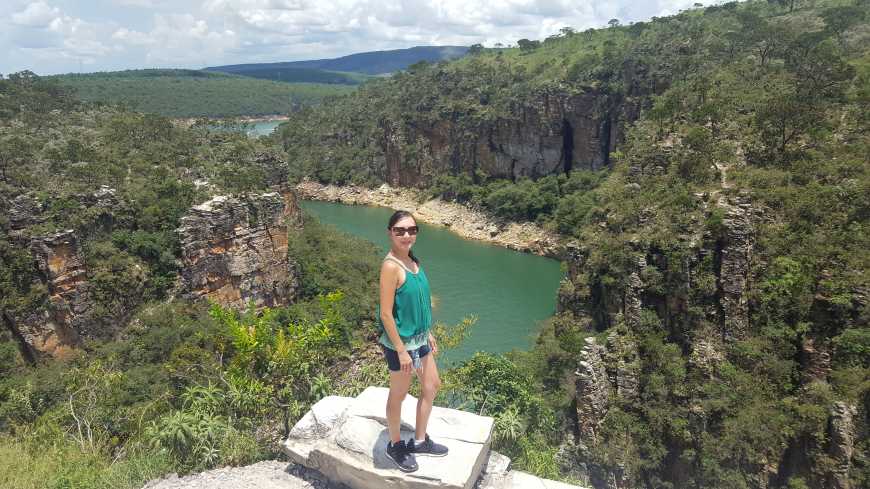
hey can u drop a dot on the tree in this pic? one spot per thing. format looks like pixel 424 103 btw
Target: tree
pixel 527 45
pixel 820 70
pixel 613 23
pixel 286 358
pixel 783 3
pixel 475 49
pixel 839 19
pixel 768 40
pixel 15 149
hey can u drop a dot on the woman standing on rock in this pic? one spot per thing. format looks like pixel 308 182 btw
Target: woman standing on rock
pixel 406 318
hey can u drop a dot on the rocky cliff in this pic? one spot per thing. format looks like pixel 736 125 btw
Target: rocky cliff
pixel 58 327
pixel 553 131
pixel 59 268
pixel 719 270
pixel 234 250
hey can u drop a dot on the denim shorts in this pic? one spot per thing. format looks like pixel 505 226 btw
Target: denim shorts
pixel 392 357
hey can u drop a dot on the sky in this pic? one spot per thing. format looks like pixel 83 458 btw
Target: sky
pixel 68 36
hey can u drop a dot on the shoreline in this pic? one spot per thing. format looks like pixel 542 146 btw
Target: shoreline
pixel 188 121
pixel 524 237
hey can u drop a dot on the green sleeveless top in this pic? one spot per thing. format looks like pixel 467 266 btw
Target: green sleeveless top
pixel 412 309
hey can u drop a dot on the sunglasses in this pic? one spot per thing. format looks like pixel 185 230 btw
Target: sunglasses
pixel 412 231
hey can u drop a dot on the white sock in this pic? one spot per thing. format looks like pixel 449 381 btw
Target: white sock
pixel 417 442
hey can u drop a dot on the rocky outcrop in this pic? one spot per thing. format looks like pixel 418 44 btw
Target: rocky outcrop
pixel 841 431
pixel 735 258
pixel 344 439
pixel 553 131
pixel 60 268
pixel 60 265
pixel 593 391
pixel 604 373
pixel 234 250
pixel 23 211
pixel 464 221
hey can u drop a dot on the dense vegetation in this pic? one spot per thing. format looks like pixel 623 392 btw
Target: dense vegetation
pixel 759 102
pixel 370 63
pixel 162 384
pixel 762 102
pixel 171 385
pixel 291 74
pixel 191 93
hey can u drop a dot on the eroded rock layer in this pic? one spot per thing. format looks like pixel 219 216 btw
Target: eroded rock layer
pixel 61 267
pixel 234 250
pixel 552 132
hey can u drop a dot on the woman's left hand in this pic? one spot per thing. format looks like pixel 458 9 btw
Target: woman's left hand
pixel 433 345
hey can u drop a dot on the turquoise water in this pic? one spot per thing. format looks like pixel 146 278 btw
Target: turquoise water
pixel 509 292
pixel 263 128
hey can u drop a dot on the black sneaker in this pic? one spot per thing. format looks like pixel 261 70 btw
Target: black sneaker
pixel 428 447
pixel 401 456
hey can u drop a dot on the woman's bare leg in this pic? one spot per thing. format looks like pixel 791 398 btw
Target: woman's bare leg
pixel 429 385
pixel 399 384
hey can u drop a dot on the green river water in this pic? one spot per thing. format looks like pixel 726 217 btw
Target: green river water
pixel 263 128
pixel 509 292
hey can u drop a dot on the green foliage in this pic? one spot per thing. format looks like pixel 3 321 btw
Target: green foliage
pixel 450 337
pixel 853 347
pixel 188 93
pixel 292 74
pixel 198 437
pixel 33 464
pixel 330 260
pixel 493 385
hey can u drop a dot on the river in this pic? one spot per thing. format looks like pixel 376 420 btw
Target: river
pixel 509 292
pixel 264 128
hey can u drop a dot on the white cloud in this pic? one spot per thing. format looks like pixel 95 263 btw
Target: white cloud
pixel 131 37
pixel 191 33
pixel 37 14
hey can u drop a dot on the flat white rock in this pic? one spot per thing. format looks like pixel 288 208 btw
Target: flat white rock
pixel 345 439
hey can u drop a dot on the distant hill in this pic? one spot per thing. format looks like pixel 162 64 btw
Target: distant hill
pixel 195 93
pixel 370 63
pixel 291 74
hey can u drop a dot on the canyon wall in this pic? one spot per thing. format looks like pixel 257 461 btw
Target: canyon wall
pixel 551 132
pixel 234 250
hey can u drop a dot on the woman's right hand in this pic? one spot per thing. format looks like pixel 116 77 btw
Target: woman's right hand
pixel 405 361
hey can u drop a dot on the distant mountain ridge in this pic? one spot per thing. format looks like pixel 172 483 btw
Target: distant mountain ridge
pixel 370 63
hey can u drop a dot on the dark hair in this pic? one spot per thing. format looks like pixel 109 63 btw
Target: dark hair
pixel 392 222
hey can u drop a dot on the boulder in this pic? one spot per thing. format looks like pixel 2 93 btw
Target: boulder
pixel 345 438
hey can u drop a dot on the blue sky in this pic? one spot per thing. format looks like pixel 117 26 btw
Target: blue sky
pixel 62 36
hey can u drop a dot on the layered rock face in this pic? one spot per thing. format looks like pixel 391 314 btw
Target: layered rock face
pixel 735 257
pixel 731 254
pixel 603 372
pixel 234 250
pixel 553 132
pixel 60 268
pixel 57 328
pixel 719 272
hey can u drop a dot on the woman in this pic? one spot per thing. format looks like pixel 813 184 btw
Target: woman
pixel 406 318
